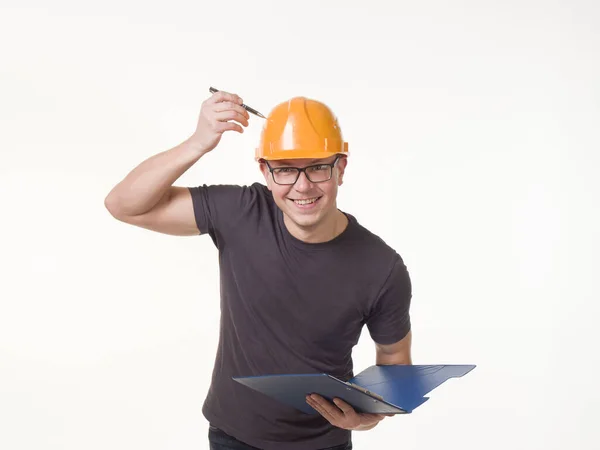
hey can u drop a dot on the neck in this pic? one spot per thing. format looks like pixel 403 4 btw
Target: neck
pixel 331 227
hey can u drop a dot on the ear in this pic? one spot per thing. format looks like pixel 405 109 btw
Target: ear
pixel 341 168
pixel 265 171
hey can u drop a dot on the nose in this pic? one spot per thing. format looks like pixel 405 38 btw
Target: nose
pixel 302 184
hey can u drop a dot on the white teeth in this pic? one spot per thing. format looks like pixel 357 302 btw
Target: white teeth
pixel 306 202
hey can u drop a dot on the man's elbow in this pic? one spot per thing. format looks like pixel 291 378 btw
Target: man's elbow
pixel 397 353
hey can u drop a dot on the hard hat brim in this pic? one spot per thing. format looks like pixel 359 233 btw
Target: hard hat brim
pixel 299 154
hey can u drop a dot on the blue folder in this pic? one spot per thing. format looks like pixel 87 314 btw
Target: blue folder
pixel 390 389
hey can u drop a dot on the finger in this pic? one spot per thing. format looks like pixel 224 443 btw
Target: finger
pixel 221 127
pixel 223 96
pixel 331 409
pixel 318 398
pixel 345 407
pixel 319 408
pixel 228 106
pixel 226 116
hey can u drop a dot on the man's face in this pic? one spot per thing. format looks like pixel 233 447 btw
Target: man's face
pixel 306 203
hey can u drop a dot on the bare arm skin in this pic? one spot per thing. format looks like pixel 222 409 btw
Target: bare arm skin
pixel 147 198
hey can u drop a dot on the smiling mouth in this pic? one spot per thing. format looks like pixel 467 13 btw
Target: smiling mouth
pixel 307 201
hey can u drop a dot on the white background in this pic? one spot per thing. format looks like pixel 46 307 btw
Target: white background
pixel 473 130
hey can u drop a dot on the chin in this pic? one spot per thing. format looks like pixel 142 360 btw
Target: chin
pixel 305 221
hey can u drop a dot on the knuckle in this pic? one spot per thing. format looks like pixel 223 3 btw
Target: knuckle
pixel 243 112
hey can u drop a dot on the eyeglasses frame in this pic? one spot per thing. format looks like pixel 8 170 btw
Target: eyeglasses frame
pixel 299 170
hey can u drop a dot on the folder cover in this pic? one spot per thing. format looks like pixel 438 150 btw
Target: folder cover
pixel 389 389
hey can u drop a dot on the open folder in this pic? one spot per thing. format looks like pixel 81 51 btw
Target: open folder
pixel 393 389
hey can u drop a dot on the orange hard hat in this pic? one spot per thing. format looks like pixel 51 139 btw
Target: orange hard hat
pixel 301 128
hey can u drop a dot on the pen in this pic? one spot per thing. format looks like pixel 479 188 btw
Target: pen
pixel 246 107
pixel 362 389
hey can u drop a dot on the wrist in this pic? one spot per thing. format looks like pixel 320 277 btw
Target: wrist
pixel 365 427
pixel 195 147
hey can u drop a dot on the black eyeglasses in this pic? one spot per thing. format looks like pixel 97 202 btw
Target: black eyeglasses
pixel 317 173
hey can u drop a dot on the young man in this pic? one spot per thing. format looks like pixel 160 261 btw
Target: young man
pixel 299 277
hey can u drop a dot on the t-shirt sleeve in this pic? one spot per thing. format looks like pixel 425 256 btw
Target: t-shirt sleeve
pixel 219 209
pixel 389 319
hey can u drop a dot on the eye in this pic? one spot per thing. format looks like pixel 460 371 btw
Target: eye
pixel 285 170
pixel 319 168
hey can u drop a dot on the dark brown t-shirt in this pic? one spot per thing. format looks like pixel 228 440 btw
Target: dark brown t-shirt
pixel 288 306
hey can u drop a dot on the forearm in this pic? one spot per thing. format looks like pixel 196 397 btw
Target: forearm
pixel 146 184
